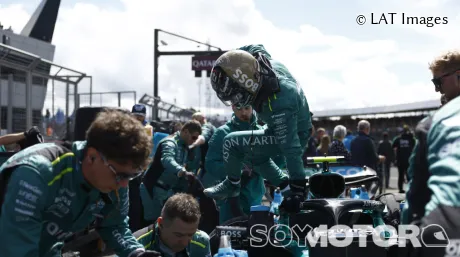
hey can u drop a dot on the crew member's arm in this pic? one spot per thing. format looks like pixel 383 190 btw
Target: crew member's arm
pixel 21 218
pixel 395 146
pixel 444 166
pixel 370 149
pixel 418 194
pixel 284 126
pixel 114 229
pixel 214 162
pixel 146 240
pixel 168 154
pixel 206 134
pixel 11 138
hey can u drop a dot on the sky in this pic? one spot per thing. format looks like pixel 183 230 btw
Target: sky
pixel 339 63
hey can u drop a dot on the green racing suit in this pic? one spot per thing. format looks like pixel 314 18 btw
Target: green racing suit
pixel 288 128
pixel 434 193
pixel 198 247
pixel 171 156
pixel 47 199
pixel 253 188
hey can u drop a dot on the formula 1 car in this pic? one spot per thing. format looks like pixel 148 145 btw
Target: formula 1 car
pixel 331 200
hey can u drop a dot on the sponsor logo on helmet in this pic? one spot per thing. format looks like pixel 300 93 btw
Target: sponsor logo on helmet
pixel 244 80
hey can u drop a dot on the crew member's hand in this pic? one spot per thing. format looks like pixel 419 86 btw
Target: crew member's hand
pixel 148 253
pixel 382 158
pixel 247 172
pixel 291 203
pixel 187 175
pixel 34 131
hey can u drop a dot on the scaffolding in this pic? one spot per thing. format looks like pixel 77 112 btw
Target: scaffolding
pixel 172 111
pixel 14 61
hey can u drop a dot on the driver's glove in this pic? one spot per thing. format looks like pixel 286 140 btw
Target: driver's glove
pixel 296 196
pixel 31 137
pixel 147 253
pixel 32 132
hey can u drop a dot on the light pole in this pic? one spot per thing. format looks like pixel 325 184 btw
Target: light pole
pixel 157 54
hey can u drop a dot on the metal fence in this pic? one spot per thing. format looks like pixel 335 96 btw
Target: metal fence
pixel 36 92
pixel 123 99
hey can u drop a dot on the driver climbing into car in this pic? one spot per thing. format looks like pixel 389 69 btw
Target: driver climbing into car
pixel 249 76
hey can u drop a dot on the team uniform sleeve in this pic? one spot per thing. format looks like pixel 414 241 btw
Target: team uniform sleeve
pixel 146 240
pixel 284 127
pixel 207 132
pixel 114 229
pixel 444 164
pixel 168 160
pixel 22 213
pixel 214 161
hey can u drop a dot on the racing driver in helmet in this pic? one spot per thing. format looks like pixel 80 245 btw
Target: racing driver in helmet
pixel 249 76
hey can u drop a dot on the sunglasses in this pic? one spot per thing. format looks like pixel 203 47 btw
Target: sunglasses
pixel 438 81
pixel 119 176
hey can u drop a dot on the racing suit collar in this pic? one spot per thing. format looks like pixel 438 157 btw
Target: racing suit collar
pixel 165 249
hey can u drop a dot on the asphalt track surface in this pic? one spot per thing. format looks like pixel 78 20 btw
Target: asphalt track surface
pixel 393 189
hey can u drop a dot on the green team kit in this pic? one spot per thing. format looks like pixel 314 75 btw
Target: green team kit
pixel 433 198
pixel 161 180
pixel 198 246
pixel 240 79
pixel 47 199
pixel 253 188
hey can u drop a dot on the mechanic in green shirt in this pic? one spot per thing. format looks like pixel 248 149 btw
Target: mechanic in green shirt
pixel 168 173
pixel 249 76
pixel 54 190
pixel 253 189
pixel 175 233
pixel 433 198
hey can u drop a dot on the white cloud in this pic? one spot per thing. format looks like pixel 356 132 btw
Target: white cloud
pixel 116 47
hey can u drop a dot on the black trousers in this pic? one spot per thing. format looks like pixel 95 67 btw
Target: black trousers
pixel 402 173
pixel 136 213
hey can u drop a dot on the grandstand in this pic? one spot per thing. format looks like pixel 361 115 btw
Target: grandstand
pixel 382 118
